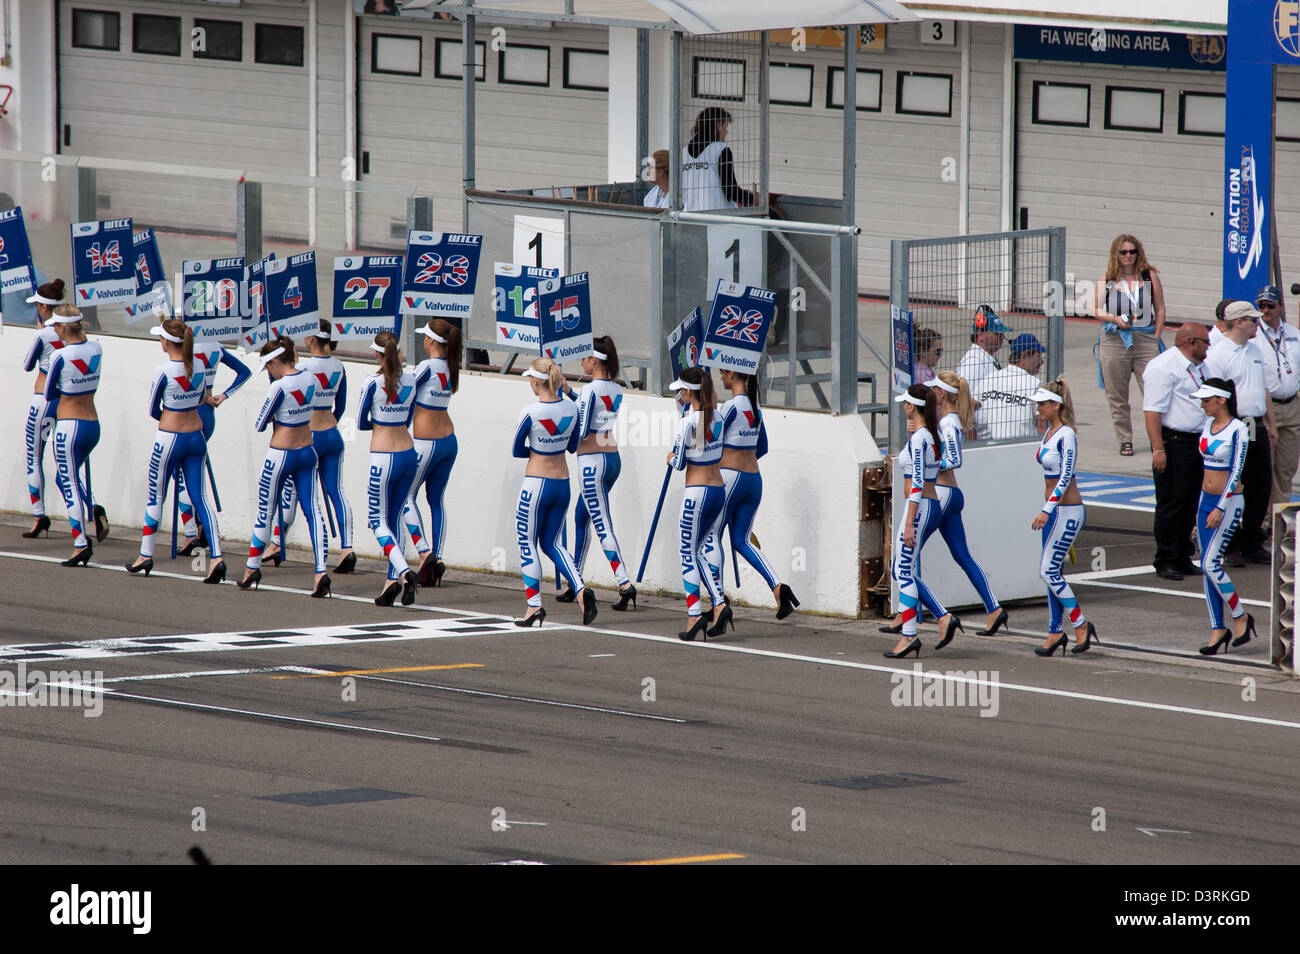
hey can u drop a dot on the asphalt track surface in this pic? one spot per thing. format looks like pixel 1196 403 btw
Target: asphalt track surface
pixel 470 740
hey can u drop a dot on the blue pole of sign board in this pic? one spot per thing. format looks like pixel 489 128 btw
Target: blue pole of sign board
pixel 176 499
pixel 663 492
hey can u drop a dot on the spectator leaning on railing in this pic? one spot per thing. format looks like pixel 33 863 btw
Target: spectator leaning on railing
pixel 1006 396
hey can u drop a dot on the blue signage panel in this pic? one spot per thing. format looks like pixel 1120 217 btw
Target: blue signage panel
pixel 210 296
pixel 15 253
pixel 102 268
pixel 685 341
pixel 291 303
pixel 737 328
pixel 440 274
pixel 152 293
pixel 253 326
pixel 564 307
pixel 367 292
pixel 1170 51
pixel 514 300
pixel 901 335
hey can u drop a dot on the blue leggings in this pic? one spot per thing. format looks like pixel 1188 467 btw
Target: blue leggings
pixel 949 525
pixel 184 503
pixel 299 466
pixel 329 468
pixel 434 460
pixel 73 442
pixel 177 453
pixel 387 489
pixel 597 473
pixel 539 518
pixel 40 424
pixel 744 493
pixel 1219 591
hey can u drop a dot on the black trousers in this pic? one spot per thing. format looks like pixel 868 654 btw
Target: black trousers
pixel 1257 479
pixel 1178 492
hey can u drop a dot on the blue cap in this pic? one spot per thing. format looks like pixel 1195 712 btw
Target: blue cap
pixel 1268 293
pixel 1026 342
pixel 986 319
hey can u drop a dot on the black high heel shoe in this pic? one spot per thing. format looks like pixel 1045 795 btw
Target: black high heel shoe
pixel 347 565
pixel 253 579
pixel 589 608
pixel 568 596
pixel 539 618
pixel 893 629
pixel 192 546
pixel 1051 649
pixel 102 527
pixel 410 584
pixel 42 524
pixel 724 618
pixel 390 593
pixel 1003 620
pixel 788 601
pixel 1089 638
pixel 625 596
pixel 913 646
pixel 144 567
pixel 277 557
pixel 1249 631
pixel 323 588
pixel 435 574
pixel 954 624
pixel 81 557
pixel 700 626
pixel 1220 643
pixel 217 573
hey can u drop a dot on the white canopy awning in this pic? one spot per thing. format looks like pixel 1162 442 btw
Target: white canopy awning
pixel 728 16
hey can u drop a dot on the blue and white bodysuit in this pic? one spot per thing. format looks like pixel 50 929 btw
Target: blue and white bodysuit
pixel 288 403
pixel 40 415
pixel 598 405
pixel 75 369
pixel 388 485
pixel 434 459
pixel 743 429
pixel 331 395
pixel 1224 451
pixel 920 467
pixel 208 356
pixel 1058 453
pixel 548 428
pixel 700 524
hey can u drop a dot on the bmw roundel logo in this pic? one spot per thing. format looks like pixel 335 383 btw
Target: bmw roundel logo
pixel 196 267
pixel 347 263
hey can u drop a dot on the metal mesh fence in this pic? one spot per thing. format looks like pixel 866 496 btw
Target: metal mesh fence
pixel 722 84
pixel 988 308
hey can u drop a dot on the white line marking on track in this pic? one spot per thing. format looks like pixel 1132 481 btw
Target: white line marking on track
pixel 600 655
pixel 1111 574
pixel 1160 590
pixel 192 675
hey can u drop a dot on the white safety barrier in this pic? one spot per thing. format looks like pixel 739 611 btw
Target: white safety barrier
pixel 1003 490
pixel 808 524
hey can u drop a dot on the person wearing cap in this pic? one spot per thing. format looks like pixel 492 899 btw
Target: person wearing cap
pixel 547 430
pixel 1174 420
pixel 1061 518
pixel 1131 306
pixel 385 408
pixel 1239 359
pixel 328 404
pixel 657 197
pixel 1223 446
pixel 290 456
pixel 437 378
pixel 174 398
pixel 1280 344
pixel 1220 323
pixel 72 381
pixel 1006 406
pixel 40 413
pixel 698 451
pixel 986 341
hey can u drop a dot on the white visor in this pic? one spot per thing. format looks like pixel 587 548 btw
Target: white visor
pixel 39 299
pixel 1205 391
pixel 1042 394
pixel 64 319
pixel 680 385
pixel 533 373
pixel 909 399
pixel 161 332
pixel 598 355
pixel 429 332
pixel 378 349
pixel 268 358
pixel 321 334
pixel 942 385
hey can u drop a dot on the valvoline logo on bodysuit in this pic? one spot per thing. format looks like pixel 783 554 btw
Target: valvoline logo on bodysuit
pixel 87 367
pixel 611 404
pixel 206 359
pixel 403 395
pixel 1210 447
pixel 716 431
pixel 749 417
pixel 304 397
pixel 554 427
pixel 442 381
pixel 185 384
pixel 328 381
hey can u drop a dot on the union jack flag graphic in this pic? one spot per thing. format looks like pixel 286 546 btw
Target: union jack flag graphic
pixel 429 264
pixel 4 256
pixel 142 271
pixel 109 257
pixel 743 326
pixel 457 272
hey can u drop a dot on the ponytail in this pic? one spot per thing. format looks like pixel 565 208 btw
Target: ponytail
pixel 962 401
pixel 708 401
pixel 930 413
pixel 328 342
pixel 1067 406
pixel 55 289
pixel 1225 384
pixel 452 349
pixel 178 329
pixel 390 364
pixel 605 345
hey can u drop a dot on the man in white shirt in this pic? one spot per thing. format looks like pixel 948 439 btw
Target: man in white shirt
pixel 1174 420
pixel 1237 358
pixel 986 341
pixel 1006 404
pixel 1280 343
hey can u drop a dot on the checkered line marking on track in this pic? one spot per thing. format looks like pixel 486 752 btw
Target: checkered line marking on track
pixel 226 642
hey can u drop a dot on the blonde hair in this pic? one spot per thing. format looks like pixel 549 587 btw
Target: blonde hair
pixel 554 376
pixel 1113 268
pixel 1067 406
pixel 70 311
pixel 961 401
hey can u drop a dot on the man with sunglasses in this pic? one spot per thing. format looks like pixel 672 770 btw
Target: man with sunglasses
pixel 1238 357
pixel 1280 343
pixel 1174 421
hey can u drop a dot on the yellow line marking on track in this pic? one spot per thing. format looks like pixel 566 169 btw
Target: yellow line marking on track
pixel 689 859
pixel 368 672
